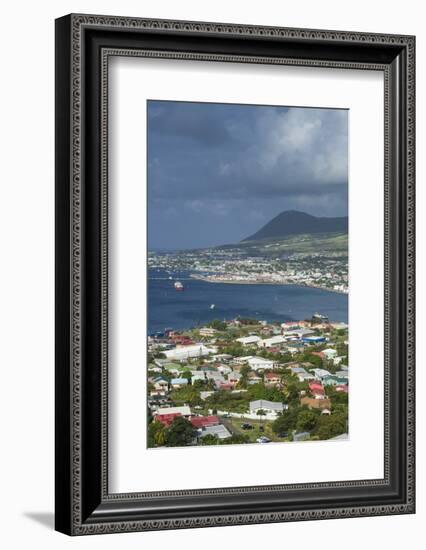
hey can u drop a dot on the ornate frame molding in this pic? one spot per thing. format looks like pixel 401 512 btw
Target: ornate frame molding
pixel 73 516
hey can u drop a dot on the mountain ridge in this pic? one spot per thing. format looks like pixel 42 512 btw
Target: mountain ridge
pixel 294 222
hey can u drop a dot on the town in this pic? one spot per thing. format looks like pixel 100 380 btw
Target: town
pixel 253 265
pixel 247 381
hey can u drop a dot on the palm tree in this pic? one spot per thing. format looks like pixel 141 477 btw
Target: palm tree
pixel 261 413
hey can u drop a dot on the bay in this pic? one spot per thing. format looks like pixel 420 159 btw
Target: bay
pixel 202 302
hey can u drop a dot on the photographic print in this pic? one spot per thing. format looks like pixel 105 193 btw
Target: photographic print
pixel 247 274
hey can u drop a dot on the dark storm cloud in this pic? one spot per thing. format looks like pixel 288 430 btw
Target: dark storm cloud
pixel 217 172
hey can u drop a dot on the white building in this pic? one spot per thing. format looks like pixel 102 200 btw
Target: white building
pixel 249 340
pixel 242 360
pixel 271 342
pixel 184 411
pixel 257 363
pixel 329 353
pixel 298 333
pixel 269 407
pixel 320 373
pixel 188 352
pixel 208 331
pixel 303 376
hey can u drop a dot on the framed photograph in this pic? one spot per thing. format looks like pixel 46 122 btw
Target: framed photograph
pixel 234 274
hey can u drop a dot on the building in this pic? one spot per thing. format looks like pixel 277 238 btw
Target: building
pixel 329 353
pixel 340 326
pixel 242 360
pixel 199 376
pixel 270 407
pixel 295 348
pixel 234 377
pixel 224 369
pixel 296 369
pixel 174 368
pixel 301 436
pixel 249 340
pixel 160 383
pixel 271 378
pixel 321 373
pixel 313 339
pixel 183 353
pixel 208 331
pixel 255 362
pixel 205 394
pixel 167 419
pixel 271 342
pixel 291 325
pixel 304 376
pixel 317 390
pixel 253 378
pixel 344 373
pixel 313 403
pixel 218 431
pixel 184 410
pixel 258 363
pixel 178 382
pixel 298 333
pixel 221 357
pixel 201 422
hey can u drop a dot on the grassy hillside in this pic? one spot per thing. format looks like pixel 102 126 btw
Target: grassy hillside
pixel 305 244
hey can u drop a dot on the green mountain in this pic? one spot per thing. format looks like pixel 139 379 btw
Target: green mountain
pixel 292 222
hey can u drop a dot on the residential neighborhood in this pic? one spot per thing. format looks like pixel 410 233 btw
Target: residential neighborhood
pixel 248 381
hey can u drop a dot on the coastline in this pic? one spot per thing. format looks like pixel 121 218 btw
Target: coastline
pixel 208 279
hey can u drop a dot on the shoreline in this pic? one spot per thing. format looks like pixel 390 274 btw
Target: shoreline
pixel 207 279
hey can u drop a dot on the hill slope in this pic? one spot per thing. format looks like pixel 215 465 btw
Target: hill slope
pixel 292 222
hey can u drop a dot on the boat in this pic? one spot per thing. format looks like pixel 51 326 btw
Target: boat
pixel 179 286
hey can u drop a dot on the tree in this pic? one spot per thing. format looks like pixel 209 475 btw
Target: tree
pixel 157 434
pixel 209 439
pixel 235 439
pixel 261 413
pixel 330 426
pixel 314 359
pixel 217 325
pixel 180 433
pixel 286 421
pixel 306 421
pixel 186 395
pixel 188 375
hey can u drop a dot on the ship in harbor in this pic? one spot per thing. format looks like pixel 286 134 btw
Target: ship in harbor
pixel 179 286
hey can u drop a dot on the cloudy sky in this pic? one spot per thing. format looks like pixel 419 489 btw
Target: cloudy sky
pixel 218 172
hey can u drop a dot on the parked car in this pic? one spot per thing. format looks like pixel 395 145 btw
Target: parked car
pixel 247 426
pixel 263 439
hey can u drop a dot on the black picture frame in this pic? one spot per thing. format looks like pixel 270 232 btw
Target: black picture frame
pixel 83 45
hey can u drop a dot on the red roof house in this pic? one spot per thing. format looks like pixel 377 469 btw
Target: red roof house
pixel 204 421
pixel 316 388
pixel 167 419
pixel 272 378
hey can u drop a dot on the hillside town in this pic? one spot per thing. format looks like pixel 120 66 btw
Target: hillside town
pixel 328 271
pixel 243 381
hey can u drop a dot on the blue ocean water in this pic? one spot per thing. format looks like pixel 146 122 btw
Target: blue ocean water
pixel 168 308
